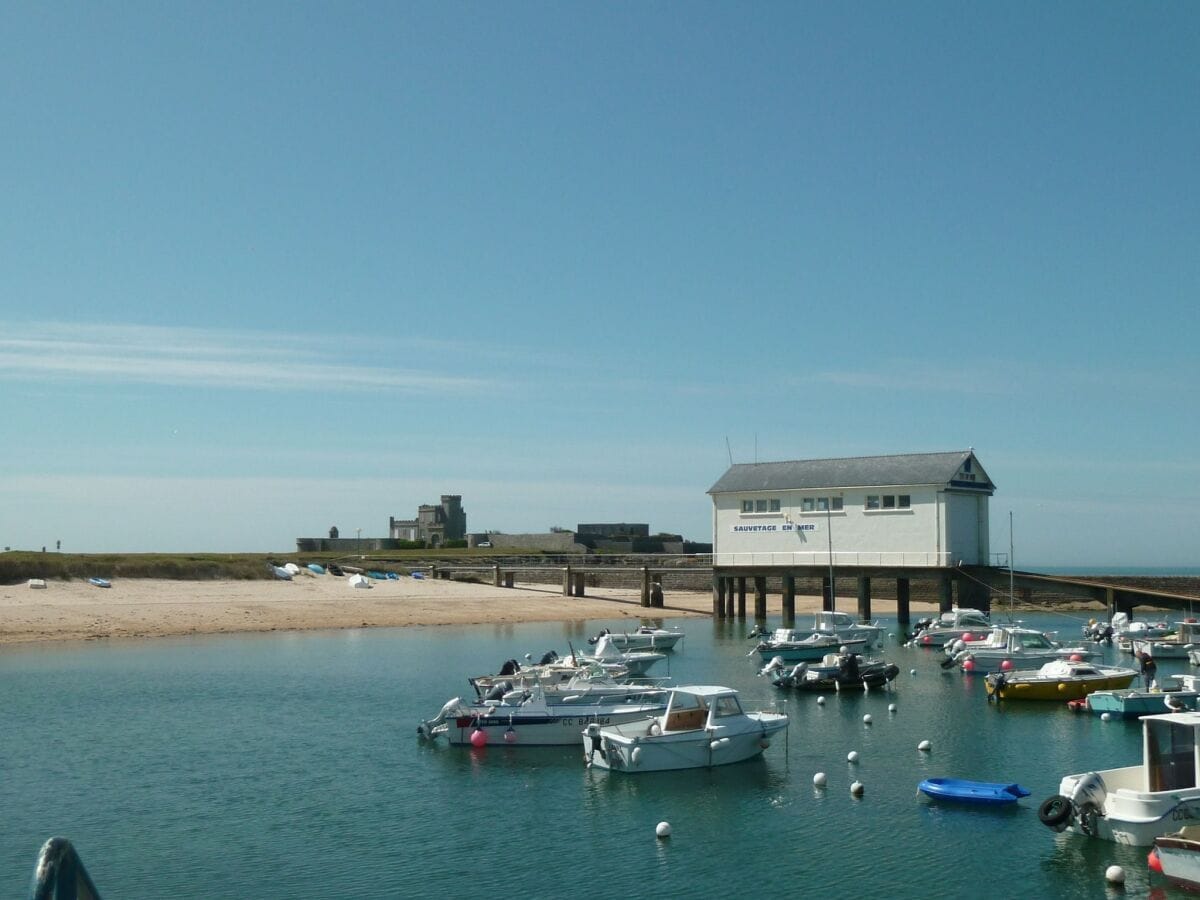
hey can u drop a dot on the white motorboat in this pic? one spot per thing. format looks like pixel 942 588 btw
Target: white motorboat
pixel 608 655
pixel 1010 647
pixel 703 726
pixel 790 646
pixel 534 718
pixel 1126 630
pixel 844 628
pixel 38 584
pixel 1185 639
pixel 951 626
pixel 644 638
pixel 560 676
pixel 1135 804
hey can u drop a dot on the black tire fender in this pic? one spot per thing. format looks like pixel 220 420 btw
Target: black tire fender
pixel 1054 811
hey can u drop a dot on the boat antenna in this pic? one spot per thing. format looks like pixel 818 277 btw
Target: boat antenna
pixel 1010 565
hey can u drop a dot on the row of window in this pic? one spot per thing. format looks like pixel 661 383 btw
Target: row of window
pixel 827 504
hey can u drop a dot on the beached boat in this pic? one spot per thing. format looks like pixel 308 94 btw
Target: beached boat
pixel 959 790
pixel 1132 703
pixel 703 726
pixel 644 638
pixel 316 569
pixel 1178 646
pixel 1176 856
pixel 38 584
pixel 837 672
pixel 281 573
pixel 100 582
pixel 1009 647
pixel 334 569
pixel 791 646
pixel 534 718
pixel 359 580
pixel 1059 679
pixel 951 626
pixel 1135 804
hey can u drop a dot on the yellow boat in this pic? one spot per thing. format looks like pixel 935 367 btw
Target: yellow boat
pixel 1062 679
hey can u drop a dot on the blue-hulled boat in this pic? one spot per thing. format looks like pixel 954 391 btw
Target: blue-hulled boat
pixel 959 790
pixel 1132 704
pixel 316 569
pixel 100 582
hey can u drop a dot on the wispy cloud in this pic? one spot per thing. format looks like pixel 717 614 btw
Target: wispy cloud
pixel 206 358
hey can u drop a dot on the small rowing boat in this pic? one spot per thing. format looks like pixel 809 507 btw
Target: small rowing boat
pixel 959 790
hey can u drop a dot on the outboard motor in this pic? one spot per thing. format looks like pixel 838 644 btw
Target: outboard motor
pixel 773 666
pixel 549 657
pixel 603 632
pixel 429 730
pixel 499 689
pixel 510 667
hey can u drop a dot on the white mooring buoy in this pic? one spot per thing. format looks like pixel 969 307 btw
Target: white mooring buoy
pixel 852 756
pixel 1114 875
pixel 662 830
pixel 891 707
pixel 856 789
pixel 819 780
pixel 820 701
pixel 925 745
pixel 912 671
pixel 1105 717
pixel 867 719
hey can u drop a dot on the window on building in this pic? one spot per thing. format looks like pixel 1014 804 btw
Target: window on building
pixel 823 504
pixel 889 501
pixel 835 504
pixel 872 501
pixel 747 506
pixel 904 501
pixel 807 504
pixel 774 505
pixel 760 505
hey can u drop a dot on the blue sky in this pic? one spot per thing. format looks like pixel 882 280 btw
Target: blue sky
pixel 267 268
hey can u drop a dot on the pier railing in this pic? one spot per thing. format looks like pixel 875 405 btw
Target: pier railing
pixel 839 558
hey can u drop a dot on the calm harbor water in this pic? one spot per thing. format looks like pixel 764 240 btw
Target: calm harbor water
pixel 287 765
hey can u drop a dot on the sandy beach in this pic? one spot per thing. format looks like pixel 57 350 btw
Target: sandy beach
pixel 138 608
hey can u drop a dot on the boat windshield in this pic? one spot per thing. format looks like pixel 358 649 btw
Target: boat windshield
pixel 1034 642
pixel 727 706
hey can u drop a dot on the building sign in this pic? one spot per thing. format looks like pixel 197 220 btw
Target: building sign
pixel 786 526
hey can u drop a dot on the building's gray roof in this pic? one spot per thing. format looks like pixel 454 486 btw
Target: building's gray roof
pixel 859 471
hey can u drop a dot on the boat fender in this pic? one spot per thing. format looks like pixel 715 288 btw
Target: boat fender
pixel 1055 811
pixel 654 730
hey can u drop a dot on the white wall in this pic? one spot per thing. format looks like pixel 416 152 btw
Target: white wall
pixel 937 529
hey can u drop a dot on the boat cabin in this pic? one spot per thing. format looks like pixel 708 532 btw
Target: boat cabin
pixel 700 706
pixel 1169 761
pixel 963 618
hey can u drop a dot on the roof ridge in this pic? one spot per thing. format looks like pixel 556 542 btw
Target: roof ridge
pixel 865 456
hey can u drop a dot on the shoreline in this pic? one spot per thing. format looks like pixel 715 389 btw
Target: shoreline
pixel 151 607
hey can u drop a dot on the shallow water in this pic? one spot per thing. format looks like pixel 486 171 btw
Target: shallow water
pixel 288 765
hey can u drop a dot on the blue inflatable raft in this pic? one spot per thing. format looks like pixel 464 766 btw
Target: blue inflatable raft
pixel 959 790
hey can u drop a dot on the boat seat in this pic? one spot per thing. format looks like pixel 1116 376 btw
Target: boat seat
pixel 687 720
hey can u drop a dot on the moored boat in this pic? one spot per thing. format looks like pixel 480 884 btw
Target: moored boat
pixel 100 582
pixel 1176 856
pixel 837 672
pixel 644 638
pixel 1008 647
pixel 1059 679
pixel 791 646
pixel 958 623
pixel 703 726
pixel 1133 704
pixel 1135 804
pixel 534 718
pixel 1178 646
pixel 960 790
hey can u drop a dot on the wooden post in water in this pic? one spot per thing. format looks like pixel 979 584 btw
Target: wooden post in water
pixel 760 598
pixel 656 594
pixel 580 584
pixel 567 581
pixel 828 601
pixel 1110 602
pixel 864 598
pixel 718 589
pixel 645 586
pixel 902 595
pixel 789 599
pixel 496 574
pixel 741 597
